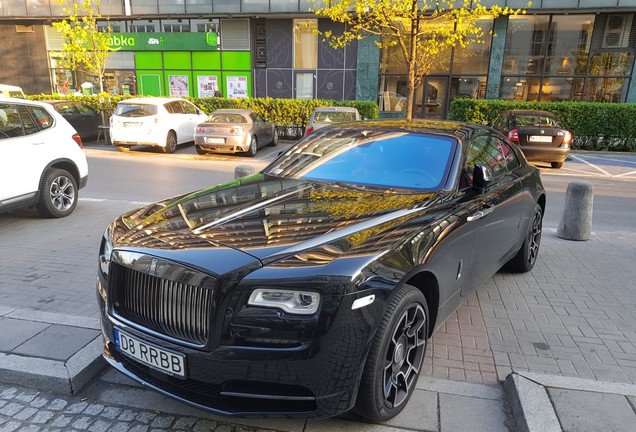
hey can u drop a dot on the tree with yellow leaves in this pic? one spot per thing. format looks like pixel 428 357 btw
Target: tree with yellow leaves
pixel 85 46
pixel 424 30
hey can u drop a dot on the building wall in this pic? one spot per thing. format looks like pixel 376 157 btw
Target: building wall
pixel 24 58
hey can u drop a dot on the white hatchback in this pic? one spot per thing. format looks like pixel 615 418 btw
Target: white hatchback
pixel 154 121
pixel 42 160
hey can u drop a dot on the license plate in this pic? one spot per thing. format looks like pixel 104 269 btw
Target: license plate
pixel 215 140
pixel 132 124
pixel 540 138
pixel 151 355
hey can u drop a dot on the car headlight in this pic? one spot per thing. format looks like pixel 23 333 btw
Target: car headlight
pixel 105 252
pixel 290 301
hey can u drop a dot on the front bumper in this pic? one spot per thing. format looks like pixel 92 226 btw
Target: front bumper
pixel 316 379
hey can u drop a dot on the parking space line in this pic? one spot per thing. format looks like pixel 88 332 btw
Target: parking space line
pixel 580 159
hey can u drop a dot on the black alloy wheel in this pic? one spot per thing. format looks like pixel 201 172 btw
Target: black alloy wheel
pixel 200 150
pixel 526 258
pixel 395 358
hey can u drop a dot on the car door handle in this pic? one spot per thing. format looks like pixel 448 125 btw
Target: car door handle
pixel 481 213
pixel 38 143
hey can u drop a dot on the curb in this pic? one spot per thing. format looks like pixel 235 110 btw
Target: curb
pixel 53 375
pixel 532 408
pixel 61 376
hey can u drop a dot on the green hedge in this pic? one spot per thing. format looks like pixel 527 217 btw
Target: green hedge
pixel 595 126
pixel 286 113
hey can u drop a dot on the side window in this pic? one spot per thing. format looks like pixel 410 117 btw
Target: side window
pixel 512 161
pixel 84 110
pixel 30 126
pixel 43 117
pixel 500 123
pixel 176 107
pixel 66 108
pixel 188 108
pixel 10 122
pixel 486 150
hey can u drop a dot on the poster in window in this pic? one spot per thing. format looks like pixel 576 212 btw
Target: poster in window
pixel 208 86
pixel 178 85
pixel 236 87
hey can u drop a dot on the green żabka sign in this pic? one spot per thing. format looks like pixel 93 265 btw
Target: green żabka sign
pixel 164 41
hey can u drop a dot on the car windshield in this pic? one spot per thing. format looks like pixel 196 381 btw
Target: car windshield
pixel 393 159
pixel 135 110
pixel 226 118
pixel 536 120
pixel 334 116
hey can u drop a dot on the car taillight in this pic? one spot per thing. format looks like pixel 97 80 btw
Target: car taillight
pixel 199 129
pixel 309 130
pixel 513 135
pixel 567 139
pixel 78 140
pixel 236 131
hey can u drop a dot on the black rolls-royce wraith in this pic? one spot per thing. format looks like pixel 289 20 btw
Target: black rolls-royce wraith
pixel 311 288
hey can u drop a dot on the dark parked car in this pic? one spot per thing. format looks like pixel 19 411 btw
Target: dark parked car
pixel 311 288
pixel 540 135
pixel 84 118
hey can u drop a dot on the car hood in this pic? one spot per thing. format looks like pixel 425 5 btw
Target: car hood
pixel 264 218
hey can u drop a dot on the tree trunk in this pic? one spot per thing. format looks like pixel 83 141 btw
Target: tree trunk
pixel 410 98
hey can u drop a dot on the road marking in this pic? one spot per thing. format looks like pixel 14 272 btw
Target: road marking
pixel 591 165
pixel 100 200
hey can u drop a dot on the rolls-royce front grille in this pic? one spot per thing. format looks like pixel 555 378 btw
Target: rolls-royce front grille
pixel 170 307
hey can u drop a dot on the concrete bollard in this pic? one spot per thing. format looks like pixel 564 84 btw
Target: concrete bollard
pixel 243 171
pixel 576 221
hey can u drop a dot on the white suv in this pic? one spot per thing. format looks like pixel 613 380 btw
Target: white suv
pixel 42 162
pixel 154 121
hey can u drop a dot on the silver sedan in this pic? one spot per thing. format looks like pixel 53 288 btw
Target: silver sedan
pixel 234 131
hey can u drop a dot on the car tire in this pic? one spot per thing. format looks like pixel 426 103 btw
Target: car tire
pixel 171 143
pixel 556 164
pixel 122 148
pixel 200 150
pixel 58 194
pixel 251 152
pixel 525 259
pixel 274 142
pixel 395 358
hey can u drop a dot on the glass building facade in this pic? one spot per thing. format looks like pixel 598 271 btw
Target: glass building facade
pixel 575 50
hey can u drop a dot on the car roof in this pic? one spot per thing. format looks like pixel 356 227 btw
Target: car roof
pixel 245 112
pixel 151 100
pixel 333 109
pixel 442 127
pixel 10 87
pixel 6 99
pixel 531 112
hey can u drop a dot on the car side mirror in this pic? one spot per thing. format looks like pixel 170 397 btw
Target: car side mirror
pixel 481 177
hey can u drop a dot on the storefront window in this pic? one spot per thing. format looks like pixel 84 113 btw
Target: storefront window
pixel 141 7
pixel 468 87
pixel 605 90
pixel 520 88
pixel 144 26
pixel 568 44
pixel 305 43
pixel 574 63
pixel 611 63
pixel 204 25
pixel 175 26
pixel 474 59
pixel 525 44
